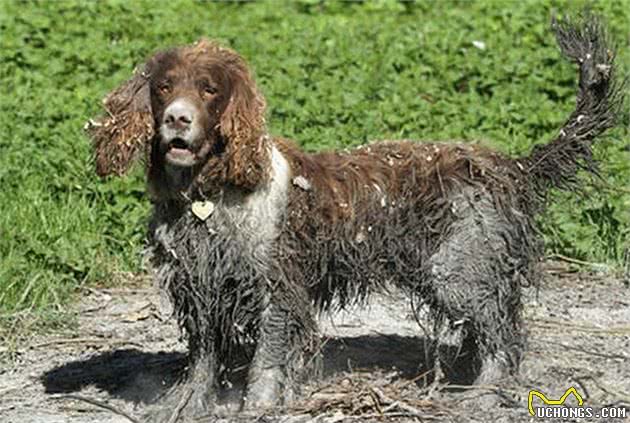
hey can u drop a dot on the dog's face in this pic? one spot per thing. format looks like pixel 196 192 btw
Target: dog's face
pixel 189 94
pixel 192 109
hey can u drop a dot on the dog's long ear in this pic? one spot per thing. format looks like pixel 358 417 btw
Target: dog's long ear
pixel 242 126
pixel 126 128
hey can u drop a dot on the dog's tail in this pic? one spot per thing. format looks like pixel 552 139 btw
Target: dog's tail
pixel 600 99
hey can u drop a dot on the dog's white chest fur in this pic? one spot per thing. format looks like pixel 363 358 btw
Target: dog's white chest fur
pixel 253 219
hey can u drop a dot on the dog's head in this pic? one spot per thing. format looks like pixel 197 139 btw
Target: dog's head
pixel 195 111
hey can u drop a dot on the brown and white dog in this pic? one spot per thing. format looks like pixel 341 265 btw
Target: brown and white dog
pixel 252 237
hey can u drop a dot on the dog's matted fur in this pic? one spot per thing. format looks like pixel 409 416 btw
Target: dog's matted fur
pixel 252 237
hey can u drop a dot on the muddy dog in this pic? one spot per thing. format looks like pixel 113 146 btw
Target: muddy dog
pixel 252 237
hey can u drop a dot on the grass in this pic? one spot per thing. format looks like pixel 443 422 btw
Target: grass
pixel 334 74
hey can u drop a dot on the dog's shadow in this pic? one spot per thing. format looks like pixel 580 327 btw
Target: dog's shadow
pixel 141 377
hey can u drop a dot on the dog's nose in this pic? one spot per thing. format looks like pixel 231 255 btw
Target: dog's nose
pixel 182 120
pixel 179 115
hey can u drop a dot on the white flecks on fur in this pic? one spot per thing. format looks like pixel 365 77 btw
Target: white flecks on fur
pixel 360 236
pixel 302 182
pixel 382 193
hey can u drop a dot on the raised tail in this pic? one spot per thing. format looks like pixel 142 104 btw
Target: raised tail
pixel 600 99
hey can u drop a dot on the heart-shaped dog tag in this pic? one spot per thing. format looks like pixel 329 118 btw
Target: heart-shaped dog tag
pixel 202 209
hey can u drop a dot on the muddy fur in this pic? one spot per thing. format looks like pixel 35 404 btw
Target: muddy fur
pixel 600 102
pixel 120 137
pixel 290 234
pixel 444 224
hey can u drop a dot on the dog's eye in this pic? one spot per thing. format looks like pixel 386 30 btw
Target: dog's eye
pixel 209 90
pixel 164 88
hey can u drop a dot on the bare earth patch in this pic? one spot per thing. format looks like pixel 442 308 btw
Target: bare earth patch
pixel 124 355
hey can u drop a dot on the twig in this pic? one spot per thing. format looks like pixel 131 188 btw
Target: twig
pixel 182 403
pixel 585 392
pixel 97 292
pixel 4 392
pixel 127 290
pixel 99 404
pixel 490 388
pixel 376 400
pixel 403 406
pixel 585 351
pixel 261 419
pixel 573 260
pixel 82 341
pixel 437 385
pixel 417 378
pixel 560 268
pixel 68 341
pixel 500 392
pixel 376 416
pixel 546 323
pixel 623 396
pixel 93 309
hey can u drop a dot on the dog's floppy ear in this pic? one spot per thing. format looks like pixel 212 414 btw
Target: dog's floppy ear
pixel 244 116
pixel 126 128
pixel 242 126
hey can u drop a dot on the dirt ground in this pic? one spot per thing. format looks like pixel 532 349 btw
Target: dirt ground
pixel 124 354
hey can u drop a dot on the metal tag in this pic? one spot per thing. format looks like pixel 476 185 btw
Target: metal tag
pixel 202 209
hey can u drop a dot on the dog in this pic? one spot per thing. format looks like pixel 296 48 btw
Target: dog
pixel 252 237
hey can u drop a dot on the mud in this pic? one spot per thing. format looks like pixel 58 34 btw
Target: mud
pixel 125 354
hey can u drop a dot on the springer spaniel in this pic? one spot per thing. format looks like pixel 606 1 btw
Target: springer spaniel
pixel 252 237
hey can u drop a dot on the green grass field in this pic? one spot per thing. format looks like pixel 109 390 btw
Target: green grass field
pixel 334 75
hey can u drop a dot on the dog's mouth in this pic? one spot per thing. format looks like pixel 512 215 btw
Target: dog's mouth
pixel 178 153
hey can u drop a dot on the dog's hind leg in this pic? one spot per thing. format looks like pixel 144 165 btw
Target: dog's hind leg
pixel 473 284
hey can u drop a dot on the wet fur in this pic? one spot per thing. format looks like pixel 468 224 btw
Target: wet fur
pixel 294 233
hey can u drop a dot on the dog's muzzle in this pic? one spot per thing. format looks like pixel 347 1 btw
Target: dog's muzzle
pixel 179 130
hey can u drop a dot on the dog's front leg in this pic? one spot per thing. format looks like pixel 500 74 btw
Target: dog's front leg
pixel 193 397
pixel 268 371
pixel 200 390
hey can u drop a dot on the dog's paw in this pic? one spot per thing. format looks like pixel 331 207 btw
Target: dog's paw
pixel 183 404
pixel 264 390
